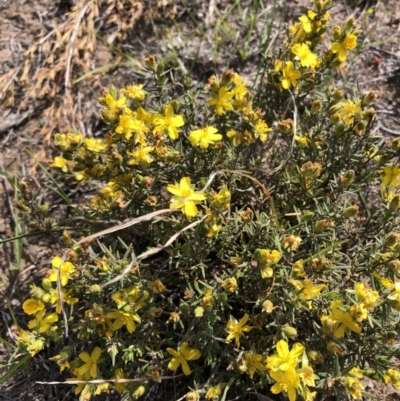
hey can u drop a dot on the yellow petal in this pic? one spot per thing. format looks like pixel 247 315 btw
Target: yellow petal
pixel 84 356
pixel 173 363
pixel 190 209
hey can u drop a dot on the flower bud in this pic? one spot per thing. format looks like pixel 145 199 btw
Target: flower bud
pixel 369 372
pixel 347 178
pixel 349 24
pixel 368 98
pixel 340 128
pixel 192 396
pixel 199 311
pixel 394 203
pixel 154 312
pixel 46 298
pixel 46 284
pixel 369 114
pixel 95 288
pixel 150 62
pixel 359 128
pixel 48 224
pixel 139 392
pixel 67 239
pixel 328 325
pixel 315 357
pixel 227 77
pixel 160 69
pixel 174 317
pixel 336 32
pixel 242 366
pixel 394 265
pixel 267 306
pixel 322 225
pixel 22 206
pixel 396 144
pixel 335 349
pixel 316 107
pixel 290 331
pixel 350 211
pixel 307 215
pixel 153 372
pixel 108 117
pixel 392 239
pixel 338 95
pixel 334 109
pixel 322 6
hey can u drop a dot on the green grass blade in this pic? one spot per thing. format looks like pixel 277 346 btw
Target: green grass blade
pixel 15 368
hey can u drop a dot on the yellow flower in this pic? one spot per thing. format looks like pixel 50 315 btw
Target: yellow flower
pixel 141 156
pixel 305 55
pixel 66 269
pixel 290 76
pixel 204 137
pixel 119 374
pixel 253 363
pixel 89 368
pixel 260 130
pixel 307 375
pixel 66 297
pixel 41 322
pixel 367 296
pixel 62 360
pixel 113 104
pixel 297 32
pixel 32 306
pixel 236 329
pixel 214 229
pixel 31 342
pixel 223 101
pixel 349 43
pixel 94 145
pixel 308 291
pixel 230 284
pixel 391 176
pixel 222 198
pixel 344 319
pixel 286 382
pixel 135 92
pixel 208 299
pixel 359 312
pixel 170 123
pixel 185 197
pixel 306 21
pixel 61 163
pixel 349 110
pixel 267 259
pixel 181 356
pixel 292 242
pixel 213 393
pixel 128 125
pixel 158 287
pixel 354 387
pixel 393 376
pixel 235 136
pixel 124 319
pixel 285 359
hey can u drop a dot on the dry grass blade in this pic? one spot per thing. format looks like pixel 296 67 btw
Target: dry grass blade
pixel 153 251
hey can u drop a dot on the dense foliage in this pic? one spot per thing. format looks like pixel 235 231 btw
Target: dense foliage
pixel 259 246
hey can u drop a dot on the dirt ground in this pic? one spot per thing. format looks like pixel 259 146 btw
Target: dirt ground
pixel 38 97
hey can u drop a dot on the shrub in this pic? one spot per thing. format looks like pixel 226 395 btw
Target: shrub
pixel 258 248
